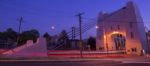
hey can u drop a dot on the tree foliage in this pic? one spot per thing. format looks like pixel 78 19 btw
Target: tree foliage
pixel 48 39
pixel 92 42
pixel 63 36
pixel 8 34
pixel 64 39
pixel 28 35
pixel 12 35
pixel 46 35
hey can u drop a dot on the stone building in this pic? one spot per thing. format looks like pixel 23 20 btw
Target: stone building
pixel 122 30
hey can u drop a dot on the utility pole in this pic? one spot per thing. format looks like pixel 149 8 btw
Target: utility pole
pixel 19 29
pixel 79 15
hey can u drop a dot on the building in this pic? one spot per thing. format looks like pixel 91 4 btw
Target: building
pixel 122 30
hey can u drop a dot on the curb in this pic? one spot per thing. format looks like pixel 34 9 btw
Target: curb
pixel 135 62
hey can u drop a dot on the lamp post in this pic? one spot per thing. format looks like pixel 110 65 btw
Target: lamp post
pixel 106 41
pixel 148 39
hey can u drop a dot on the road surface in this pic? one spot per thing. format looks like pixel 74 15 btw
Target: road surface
pixel 70 63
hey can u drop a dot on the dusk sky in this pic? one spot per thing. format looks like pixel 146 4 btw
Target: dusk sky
pixel 43 14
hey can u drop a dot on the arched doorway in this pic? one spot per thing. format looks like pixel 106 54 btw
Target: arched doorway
pixel 119 41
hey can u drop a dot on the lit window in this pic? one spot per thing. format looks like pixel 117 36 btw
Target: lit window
pixel 133 50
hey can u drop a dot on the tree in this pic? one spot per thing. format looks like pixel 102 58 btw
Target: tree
pixel 46 35
pixel 9 34
pixel 28 35
pixel 64 39
pixel 48 39
pixel 63 35
pixel 92 43
pixel 35 32
pixel 1 35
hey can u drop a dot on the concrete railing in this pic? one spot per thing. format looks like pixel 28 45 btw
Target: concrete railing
pixel 28 44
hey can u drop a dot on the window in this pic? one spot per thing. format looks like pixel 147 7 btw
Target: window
pixel 131 24
pixel 101 48
pixel 132 35
pixel 133 50
pixel 118 26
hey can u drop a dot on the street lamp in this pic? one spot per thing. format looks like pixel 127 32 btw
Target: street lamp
pixel 105 38
pixel 106 41
pixel 52 27
pixel 148 38
pixel 115 32
pixel 96 27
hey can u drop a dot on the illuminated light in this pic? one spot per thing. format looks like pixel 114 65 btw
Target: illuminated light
pixel 52 27
pixel 104 36
pixel 115 32
pixel 96 27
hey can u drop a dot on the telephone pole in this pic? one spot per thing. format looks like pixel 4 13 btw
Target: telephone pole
pixel 19 29
pixel 79 15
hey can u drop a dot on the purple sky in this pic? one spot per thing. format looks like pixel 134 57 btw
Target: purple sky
pixel 42 14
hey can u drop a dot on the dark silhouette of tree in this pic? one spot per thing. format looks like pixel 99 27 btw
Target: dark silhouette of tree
pixel 28 35
pixel 64 39
pixel 46 35
pixel 92 42
pixel 9 34
pixel 63 35
pixel 1 35
pixel 48 39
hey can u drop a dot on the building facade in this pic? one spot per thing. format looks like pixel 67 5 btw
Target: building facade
pixel 122 30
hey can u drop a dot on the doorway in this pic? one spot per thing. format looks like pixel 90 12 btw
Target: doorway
pixel 119 41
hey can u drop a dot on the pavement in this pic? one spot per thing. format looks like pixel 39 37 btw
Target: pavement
pixel 64 59
pixel 71 63
pixel 50 61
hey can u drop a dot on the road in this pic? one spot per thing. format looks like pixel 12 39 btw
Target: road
pixel 70 63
